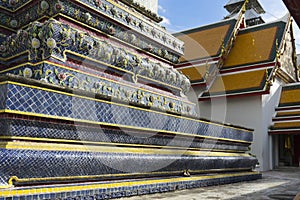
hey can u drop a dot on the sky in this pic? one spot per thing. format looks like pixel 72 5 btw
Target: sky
pixel 181 15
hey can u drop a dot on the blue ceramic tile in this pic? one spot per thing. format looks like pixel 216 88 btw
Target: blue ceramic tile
pixel 79 108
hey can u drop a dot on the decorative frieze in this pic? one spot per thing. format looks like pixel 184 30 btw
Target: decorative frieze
pixel 133 30
pixel 54 39
pixel 108 89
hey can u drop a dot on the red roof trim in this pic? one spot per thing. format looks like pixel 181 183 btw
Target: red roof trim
pixel 284 132
pixel 192 63
pixel 234 95
pixel 288 118
pixel 287 108
pixel 223 71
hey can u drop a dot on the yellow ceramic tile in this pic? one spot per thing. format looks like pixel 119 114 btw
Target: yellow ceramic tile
pixel 290 96
pixel 203 43
pixel 287 125
pixel 194 73
pixel 252 47
pixel 239 81
pixel 283 114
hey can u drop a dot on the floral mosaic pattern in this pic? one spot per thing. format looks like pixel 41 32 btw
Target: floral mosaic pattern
pixel 53 39
pixel 36 101
pixel 13 5
pixel 140 33
pixel 107 89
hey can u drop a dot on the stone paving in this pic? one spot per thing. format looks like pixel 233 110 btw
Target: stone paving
pixel 279 184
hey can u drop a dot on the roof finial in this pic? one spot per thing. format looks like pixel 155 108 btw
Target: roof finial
pixel 268 79
pixel 244 8
pixel 277 51
pixel 223 49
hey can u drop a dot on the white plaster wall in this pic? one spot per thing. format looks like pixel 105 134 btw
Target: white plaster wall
pixel 269 103
pixel 246 111
pixel 243 111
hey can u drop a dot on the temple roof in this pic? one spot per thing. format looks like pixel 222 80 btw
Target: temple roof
pixel 238 83
pixel 294 8
pixel 251 14
pixel 206 41
pixel 287 117
pixel 287 125
pixel 254 45
pixel 234 6
pixel 195 74
pixel 230 2
pixel 238 57
pixel 290 96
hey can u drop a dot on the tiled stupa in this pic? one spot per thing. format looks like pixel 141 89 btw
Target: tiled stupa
pixel 92 108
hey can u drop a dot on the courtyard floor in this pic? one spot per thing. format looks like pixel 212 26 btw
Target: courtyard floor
pixel 279 184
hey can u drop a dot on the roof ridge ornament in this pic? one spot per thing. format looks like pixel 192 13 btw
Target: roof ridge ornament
pixel 277 51
pixel 269 79
pixel 277 61
pixel 244 8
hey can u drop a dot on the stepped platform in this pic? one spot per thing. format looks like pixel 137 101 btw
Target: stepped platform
pixel 125 188
pixel 92 108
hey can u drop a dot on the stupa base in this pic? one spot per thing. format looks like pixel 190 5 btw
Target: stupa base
pixel 124 188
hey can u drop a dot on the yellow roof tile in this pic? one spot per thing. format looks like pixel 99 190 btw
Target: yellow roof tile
pixel 238 82
pixel 194 73
pixel 290 96
pixel 203 43
pixel 252 47
pixel 286 125
pixel 288 113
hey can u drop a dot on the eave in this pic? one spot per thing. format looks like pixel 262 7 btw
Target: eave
pixel 235 95
pixel 284 131
pixel 294 8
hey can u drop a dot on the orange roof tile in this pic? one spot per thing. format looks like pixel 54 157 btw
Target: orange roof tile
pixel 252 47
pixel 195 74
pixel 237 83
pixel 282 125
pixel 205 41
pixel 288 113
pixel 290 96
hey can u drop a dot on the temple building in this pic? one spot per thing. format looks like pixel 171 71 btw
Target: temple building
pixel 285 128
pixel 92 107
pixel 238 67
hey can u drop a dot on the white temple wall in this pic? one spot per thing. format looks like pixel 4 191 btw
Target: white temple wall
pixel 253 112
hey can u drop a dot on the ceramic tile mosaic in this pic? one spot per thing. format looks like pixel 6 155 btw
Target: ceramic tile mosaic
pixel 46 130
pixel 91 107
pixel 35 101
